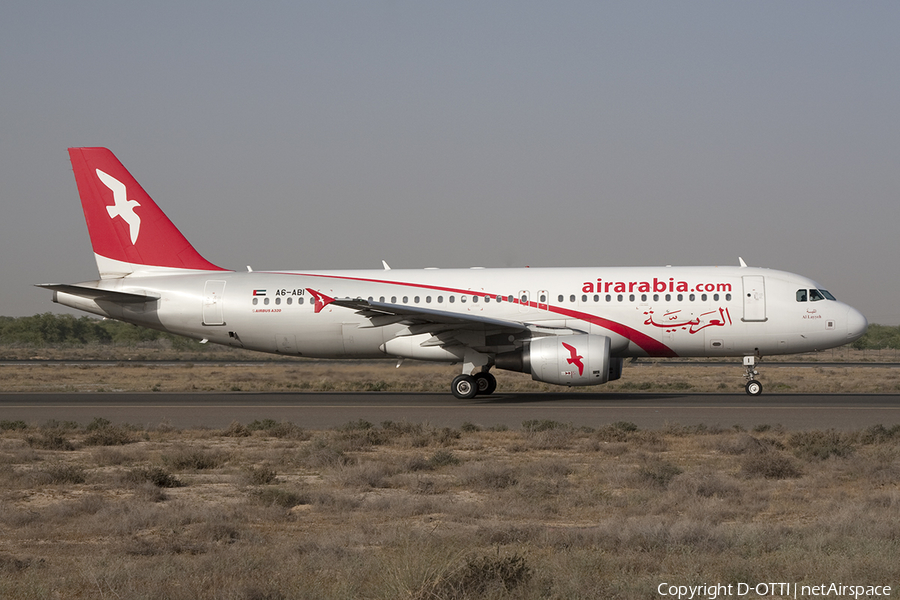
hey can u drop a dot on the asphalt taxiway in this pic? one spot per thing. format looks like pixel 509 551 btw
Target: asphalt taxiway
pixel 317 410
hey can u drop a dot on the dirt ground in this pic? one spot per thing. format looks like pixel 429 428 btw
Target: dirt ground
pixel 268 510
pixel 413 376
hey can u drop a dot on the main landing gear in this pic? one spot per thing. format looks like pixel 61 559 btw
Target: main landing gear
pixel 465 387
pixel 753 387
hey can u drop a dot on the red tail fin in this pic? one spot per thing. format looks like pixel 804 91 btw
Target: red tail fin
pixel 129 232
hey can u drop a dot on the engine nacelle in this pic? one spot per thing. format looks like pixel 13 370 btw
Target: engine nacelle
pixel 565 360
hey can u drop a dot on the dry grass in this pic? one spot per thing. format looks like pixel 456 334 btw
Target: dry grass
pixel 299 375
pixel 406 510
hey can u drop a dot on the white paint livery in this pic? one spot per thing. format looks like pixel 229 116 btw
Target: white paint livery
pixel 123 207
pixel 567 326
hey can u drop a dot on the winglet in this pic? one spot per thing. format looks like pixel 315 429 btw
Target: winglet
pixel 321 299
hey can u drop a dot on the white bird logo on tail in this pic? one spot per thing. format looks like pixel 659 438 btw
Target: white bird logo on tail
pixel 124 207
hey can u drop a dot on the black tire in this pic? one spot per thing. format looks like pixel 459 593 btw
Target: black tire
pixel 754 388
pixel 486 383
pixel 464 387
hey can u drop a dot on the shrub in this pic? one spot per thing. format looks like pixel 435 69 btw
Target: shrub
pixel 488 475
pixel 443 458
pixel 260 475
pixel 820 444
pixel 184 458
pixel 538 425
pixel 108 436
pixel 283 429
pixel 157 476
pixel 658 473
pixel 49 440
pixel 62 473
pixel 236 429
pixel 771 465
pixel 274 496
pixel 484 576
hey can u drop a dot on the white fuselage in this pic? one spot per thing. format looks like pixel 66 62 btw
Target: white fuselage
pixel 645 311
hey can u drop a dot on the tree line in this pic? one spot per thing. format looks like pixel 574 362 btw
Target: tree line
pixel 49 329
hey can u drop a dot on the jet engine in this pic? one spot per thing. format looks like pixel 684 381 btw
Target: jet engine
pixel 564 360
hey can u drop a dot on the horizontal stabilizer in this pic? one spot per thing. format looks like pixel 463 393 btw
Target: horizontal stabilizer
pixel 97 293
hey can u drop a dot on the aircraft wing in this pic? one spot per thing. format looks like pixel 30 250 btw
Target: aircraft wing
pixel 97 293
pixel 449 328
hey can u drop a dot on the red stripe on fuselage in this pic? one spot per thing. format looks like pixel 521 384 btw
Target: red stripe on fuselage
pixel 651 346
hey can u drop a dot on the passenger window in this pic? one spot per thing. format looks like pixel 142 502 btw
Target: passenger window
pixel 452 299
pixel 572 298
pixel 440 299
pixel 543 298
pixel 680 297
pixel 727 297
pixel 801 295
pixel 560 299
pixel 289 301
pixel 692 297
pixel 416 299
pixel 716 297
pixel 277 301
pixel 584 297
pixel 643 297
pixel 405 299
pixel 427 299
pixel 393 299
pixel 668 297
pixel 620 297
pixel 596 298
pixel 609 297
pixel 631 298
pixel 703 297
pixel 487 299
pixel 381 299
pixel 266 301
pixel 462 298
pixel 255 301
pixel 656 297
pixel 300 300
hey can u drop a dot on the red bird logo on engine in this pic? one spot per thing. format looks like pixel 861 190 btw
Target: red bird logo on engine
pixel 576 358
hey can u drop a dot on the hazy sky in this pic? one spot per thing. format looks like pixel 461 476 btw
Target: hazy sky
pixel 315 135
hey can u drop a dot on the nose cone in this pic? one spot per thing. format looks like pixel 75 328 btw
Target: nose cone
pixel 856 324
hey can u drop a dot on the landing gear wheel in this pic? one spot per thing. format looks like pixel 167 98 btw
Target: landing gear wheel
pixel 464 387
pixel 486 383
pixel 754 388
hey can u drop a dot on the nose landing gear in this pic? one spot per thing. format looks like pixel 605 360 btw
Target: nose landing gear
pixel 753 387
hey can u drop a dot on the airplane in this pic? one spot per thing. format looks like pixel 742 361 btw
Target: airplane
pixel 565 326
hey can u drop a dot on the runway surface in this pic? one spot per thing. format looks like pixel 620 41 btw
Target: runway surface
pixel 316 410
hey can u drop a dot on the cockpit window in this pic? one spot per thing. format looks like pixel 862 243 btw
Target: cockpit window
pixel 814 295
